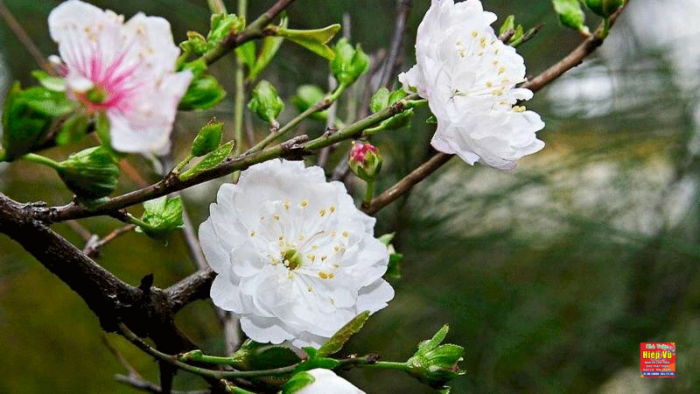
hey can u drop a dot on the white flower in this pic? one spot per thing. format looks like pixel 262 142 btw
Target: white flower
pixel 125 70
pixel 326 381
pixel 469 78
pixel 296 260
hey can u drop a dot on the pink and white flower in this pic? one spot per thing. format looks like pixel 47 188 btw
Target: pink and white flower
pixel 470 80
pixel 123 69
pixel 296 260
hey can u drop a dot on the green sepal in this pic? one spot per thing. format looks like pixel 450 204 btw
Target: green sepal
pixel 298 382
pixel 336 342
pixel 436 364
pixel 315 360
pixel 246 53
pixel 571 14
pixel 313 40
pixel 223 25
pixel 73 129
pixel 204 91
pixel 28 116
pixel 56 84
pixel 265 102
pixel 162 215
pixel 382 99
pixel 307 96
pixel 387 238
pixel 209 161
pixel 349 63
pixel 208 138
pixel 90 174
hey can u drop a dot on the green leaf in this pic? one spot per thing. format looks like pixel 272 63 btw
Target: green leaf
pixel 393 270
pixel 223 25
pixel 297 382
pixel 208 138
pixel 256 356
pixel 204 92
pixel 380 100
pixel 349 63
pixel 435 340
pixel 604 8
pixel 28 116
pixel 508 24
pixel 270 46
pixel 55 84
pixel 313 40
pixel 336 342
pixel 431 120
pixel 209 161
pixel 246 53
pixel 570 14
pixel 90 174
pixel 386 238
pixel 163 216
pixel 308 95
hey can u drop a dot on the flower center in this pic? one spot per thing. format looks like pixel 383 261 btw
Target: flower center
pixel 96 95
pixel 291 259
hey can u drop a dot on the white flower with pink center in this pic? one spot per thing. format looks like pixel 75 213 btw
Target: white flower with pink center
pixel 125 70
pixel 296 260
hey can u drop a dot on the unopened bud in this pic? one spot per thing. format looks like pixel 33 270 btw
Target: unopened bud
pixel 349 63
pixel 265 102
pixel 163 216
pixel 436 364
pixel 91 173
pixel 208 138
pixel 365 161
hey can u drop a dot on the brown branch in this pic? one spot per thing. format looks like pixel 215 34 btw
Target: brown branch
pixel 194 287
pixel 94 244
pixel 394 60
pixel 24 38
pixel 572 60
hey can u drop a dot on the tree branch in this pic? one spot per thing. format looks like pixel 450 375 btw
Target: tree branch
pixel 24 38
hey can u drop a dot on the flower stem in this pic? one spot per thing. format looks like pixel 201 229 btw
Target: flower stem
pixel 369 193
pixel 386 365
pixel 198 356
pixel 321 105
pixel 605 29
pixel 217 6
pixel 42 160
pixel 134 220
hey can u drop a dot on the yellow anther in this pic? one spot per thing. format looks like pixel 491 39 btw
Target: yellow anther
pixel 304 203
pixel 346 234
pixel 322 212
pixel 332 208
pixel 322 275
pixel 519 108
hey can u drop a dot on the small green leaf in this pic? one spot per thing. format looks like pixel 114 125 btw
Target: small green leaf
pixel 209 161
pixel 386 238
pixel 570 14
pixel 269 47
pixel 204 92
pixel 435 340
pixel 308 95
pixel 604 8
pixel 349 63
pixel 313 40
pixel 393 270
pixel 508 24
pixel 380 100
pixel 298 382
pixel 336 342
pixel 208 138
pixel 246 53
pixel 431 120
pixel 223 25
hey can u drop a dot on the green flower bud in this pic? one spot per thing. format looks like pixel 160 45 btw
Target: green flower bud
pixel 365 161
pixel 265 102
pixel 161 216
pixel 208 138
pixel 253 355
pixel 308 95
pixel 90 174
pixel 604 8
pixel 27 118
pixel 436 365
pixel 571 15
pixel 222 26
pixel 349 63
pixel 204 92
pixel 196 43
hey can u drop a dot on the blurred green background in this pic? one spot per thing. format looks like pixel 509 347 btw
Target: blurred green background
pixel 550 276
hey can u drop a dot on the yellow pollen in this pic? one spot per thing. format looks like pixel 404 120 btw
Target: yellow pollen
pixel 252 233
pixel 337 248
pixel 304 203
pixel 475 34
pixel 322 212
pixel 331 275
pixel 346 234
pixel 501 70
pixel 481 53
pixel 336 266
pixel 276 216
pixel 489 84
pixel 497 92
pixel 286 205
pixel 309 288
pixel 314 247
pixel 281 238
pixel 519 108
pixel 322 275
pixel 496 51
pixel 324 257
pixel 311 257
pixel 495 62
pixel 332 208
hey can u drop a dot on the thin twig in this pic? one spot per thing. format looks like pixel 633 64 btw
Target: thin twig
pixel 80 230
pixel 24 38
pixel 393 60
pixel 94 244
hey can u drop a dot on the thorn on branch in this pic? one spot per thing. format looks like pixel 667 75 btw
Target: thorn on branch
pixel 146 284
